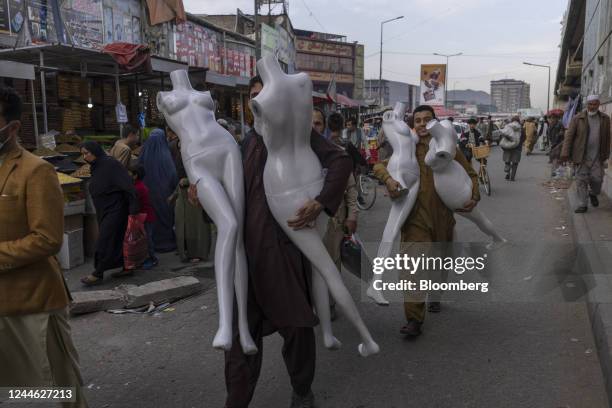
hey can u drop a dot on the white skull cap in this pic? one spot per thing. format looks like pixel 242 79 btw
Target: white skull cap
pixel 592 98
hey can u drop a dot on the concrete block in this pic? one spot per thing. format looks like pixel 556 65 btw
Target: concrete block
pixel 96 300
pixel 162 291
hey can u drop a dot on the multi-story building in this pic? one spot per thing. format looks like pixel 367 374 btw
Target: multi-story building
pixel 392 92
pixel 326 57
pixel 510 95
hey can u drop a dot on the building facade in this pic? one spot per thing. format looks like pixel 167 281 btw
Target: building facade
pixel 326 57
pixel 392 92
pixel 510 95
pixel 585 59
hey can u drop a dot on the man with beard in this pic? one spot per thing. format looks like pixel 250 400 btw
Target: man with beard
pixel 587 146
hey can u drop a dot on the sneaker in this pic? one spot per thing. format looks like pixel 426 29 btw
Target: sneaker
pixel 594 200
pixel 412 328
pixel 306 401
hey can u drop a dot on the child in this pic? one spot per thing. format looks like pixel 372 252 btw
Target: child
pixel 138 173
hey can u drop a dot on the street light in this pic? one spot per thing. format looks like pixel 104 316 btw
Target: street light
pixel 381 52
pixel 447 56
pixel 548 93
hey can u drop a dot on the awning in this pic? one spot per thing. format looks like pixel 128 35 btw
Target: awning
pixel 85 61
pixel 320 97
pixel 441 111
pixel 346 101
pixel 219 79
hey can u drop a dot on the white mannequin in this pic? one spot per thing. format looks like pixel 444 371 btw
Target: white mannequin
pixel 213 162
pixel 292 176
pixel 451 181
pixel 404 168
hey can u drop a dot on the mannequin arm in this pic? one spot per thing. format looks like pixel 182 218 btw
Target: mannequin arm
pixel 460 158
pixel 339 166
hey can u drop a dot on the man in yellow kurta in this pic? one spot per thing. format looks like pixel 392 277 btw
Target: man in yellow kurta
pixel 430 220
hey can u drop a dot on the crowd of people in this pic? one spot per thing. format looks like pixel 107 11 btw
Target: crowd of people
pixel 155 184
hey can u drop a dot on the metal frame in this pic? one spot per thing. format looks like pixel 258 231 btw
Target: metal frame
pixel 87 63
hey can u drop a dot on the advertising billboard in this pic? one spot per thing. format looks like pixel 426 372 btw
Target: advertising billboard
pixel 433 78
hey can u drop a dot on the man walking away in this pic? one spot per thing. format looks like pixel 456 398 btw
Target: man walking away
pixel 36 348
pixel 531 135
pixel 587 146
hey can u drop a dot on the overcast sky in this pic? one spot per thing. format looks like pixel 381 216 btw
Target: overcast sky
pixel 496 36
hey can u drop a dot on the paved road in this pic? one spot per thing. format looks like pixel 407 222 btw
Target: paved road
pixel 530 347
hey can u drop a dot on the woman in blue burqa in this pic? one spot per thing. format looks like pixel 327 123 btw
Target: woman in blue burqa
pixel 161 179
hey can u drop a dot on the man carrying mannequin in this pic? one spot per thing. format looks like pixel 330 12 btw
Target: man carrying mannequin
pixel 430 221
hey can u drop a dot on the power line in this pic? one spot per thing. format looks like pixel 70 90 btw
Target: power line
pixel 313 16
pixel 491 55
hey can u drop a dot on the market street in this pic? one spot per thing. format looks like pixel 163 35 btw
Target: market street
pixel 480 354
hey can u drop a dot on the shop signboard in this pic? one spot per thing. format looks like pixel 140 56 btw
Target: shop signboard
pixel 324 47
pixel 83 18
pixel 433 77
pixel 269 40
pixel 327 77
pixel 198 46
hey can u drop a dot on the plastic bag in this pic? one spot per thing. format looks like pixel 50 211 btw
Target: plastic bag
pixel 135 244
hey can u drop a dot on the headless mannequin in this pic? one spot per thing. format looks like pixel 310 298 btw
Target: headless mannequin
pixel 451 181
pixel 213 162
pixel 292 176
pixel 404 168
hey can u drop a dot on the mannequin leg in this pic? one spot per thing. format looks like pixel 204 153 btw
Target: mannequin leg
pixel 234 186
pixel 483 223
pixel 311 245
pixel 320 295
pixel 217 205
pixel 400 209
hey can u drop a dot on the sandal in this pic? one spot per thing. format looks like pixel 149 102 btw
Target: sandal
pixel 91 280
pixel 195 260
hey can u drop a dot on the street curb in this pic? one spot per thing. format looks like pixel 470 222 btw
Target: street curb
pixel 131 296
pixel 590 264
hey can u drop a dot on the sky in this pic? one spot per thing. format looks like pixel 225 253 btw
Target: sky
pixel 495 36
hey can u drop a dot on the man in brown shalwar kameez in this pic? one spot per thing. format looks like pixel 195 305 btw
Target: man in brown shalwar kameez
pixel 279 296
pixel 429 221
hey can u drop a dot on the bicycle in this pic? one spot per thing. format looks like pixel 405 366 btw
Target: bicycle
pixel 481 153
pixel 366 189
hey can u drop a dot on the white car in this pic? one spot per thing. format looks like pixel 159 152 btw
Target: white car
pixel 460 127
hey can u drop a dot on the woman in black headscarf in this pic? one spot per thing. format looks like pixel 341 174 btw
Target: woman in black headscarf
pixel 114 197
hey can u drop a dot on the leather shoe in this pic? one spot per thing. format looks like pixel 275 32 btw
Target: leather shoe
pixel 306 401
pixel 434 307
pixel 412 328
pixel 594 200
pixel 580 210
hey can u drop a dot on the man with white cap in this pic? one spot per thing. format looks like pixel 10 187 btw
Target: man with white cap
pixel 587 145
